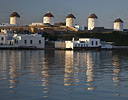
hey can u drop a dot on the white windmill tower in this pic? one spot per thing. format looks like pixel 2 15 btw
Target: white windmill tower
pixel 118 25
pixel 92 21
pixel 48 18
pixel 70 20
pixel 14 18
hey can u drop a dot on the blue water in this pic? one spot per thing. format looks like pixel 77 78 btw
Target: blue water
pixel 63 75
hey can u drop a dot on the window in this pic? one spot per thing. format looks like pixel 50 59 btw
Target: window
pixel 30 41
pixel 75 45
pixel 78 45
pixel 25 41
pixel 11 42
pixel 92 43
pixel 82 45
pixel 15 41
pixel 96 42
pixel 82 41
pixel 2 38
pixel 39 41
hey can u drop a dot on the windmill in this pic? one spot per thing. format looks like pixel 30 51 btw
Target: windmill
pixel 72 14
pixel 121 20
pixel 13 14
pixel 48 16
pixel 92 21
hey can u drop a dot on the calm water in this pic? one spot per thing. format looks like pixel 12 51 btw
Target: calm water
pixel 63 75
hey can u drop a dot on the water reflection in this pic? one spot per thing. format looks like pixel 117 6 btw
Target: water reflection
pixel 15 65
pixel 116 70
pixel 45 74
pixel 3 65
pixel 45 79
pixel 89 71
pixel 73 61
pixel 68 80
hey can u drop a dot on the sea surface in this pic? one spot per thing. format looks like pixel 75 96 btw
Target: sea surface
pixel 63 75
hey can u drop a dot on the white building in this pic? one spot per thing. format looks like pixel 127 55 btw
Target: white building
pixel 79 27
pixel 37 24
pixel 59 45
pixel 84 43
pixel 70 20
pixel 14 18
pixel 10 40
pixel 48 18
pixel 5 37
pixel 118 25
pixel 5 24
pixel 92 21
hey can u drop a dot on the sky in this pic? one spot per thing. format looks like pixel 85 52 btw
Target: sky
pixel 33 10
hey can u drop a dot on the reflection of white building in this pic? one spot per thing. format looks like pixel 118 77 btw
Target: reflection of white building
pixel 10 40
pixel 68 68
pixel 116 69
pixel 89 71
pixel 48 18
pixel 118 25
pixel 83 43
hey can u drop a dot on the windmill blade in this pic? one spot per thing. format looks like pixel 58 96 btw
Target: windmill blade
pixel 114 15
pixel 20 9
pixel 111 18
pixel 126 18
pixel 74 12
pixel 65 13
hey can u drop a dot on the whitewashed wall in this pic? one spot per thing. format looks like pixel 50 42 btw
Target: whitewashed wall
pixel 92 22
pixel 14 21
pixel 118 26
pixel 49 20
pixel 70 22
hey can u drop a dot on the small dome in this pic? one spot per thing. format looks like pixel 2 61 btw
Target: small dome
pixel 48 14
pixel 118 20
pixel 93 16
pixel 15 14
pixel 71 16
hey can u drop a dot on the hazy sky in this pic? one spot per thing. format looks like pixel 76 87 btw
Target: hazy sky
pixel 33 10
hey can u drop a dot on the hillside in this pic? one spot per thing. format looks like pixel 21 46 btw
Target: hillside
pixel 117 38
